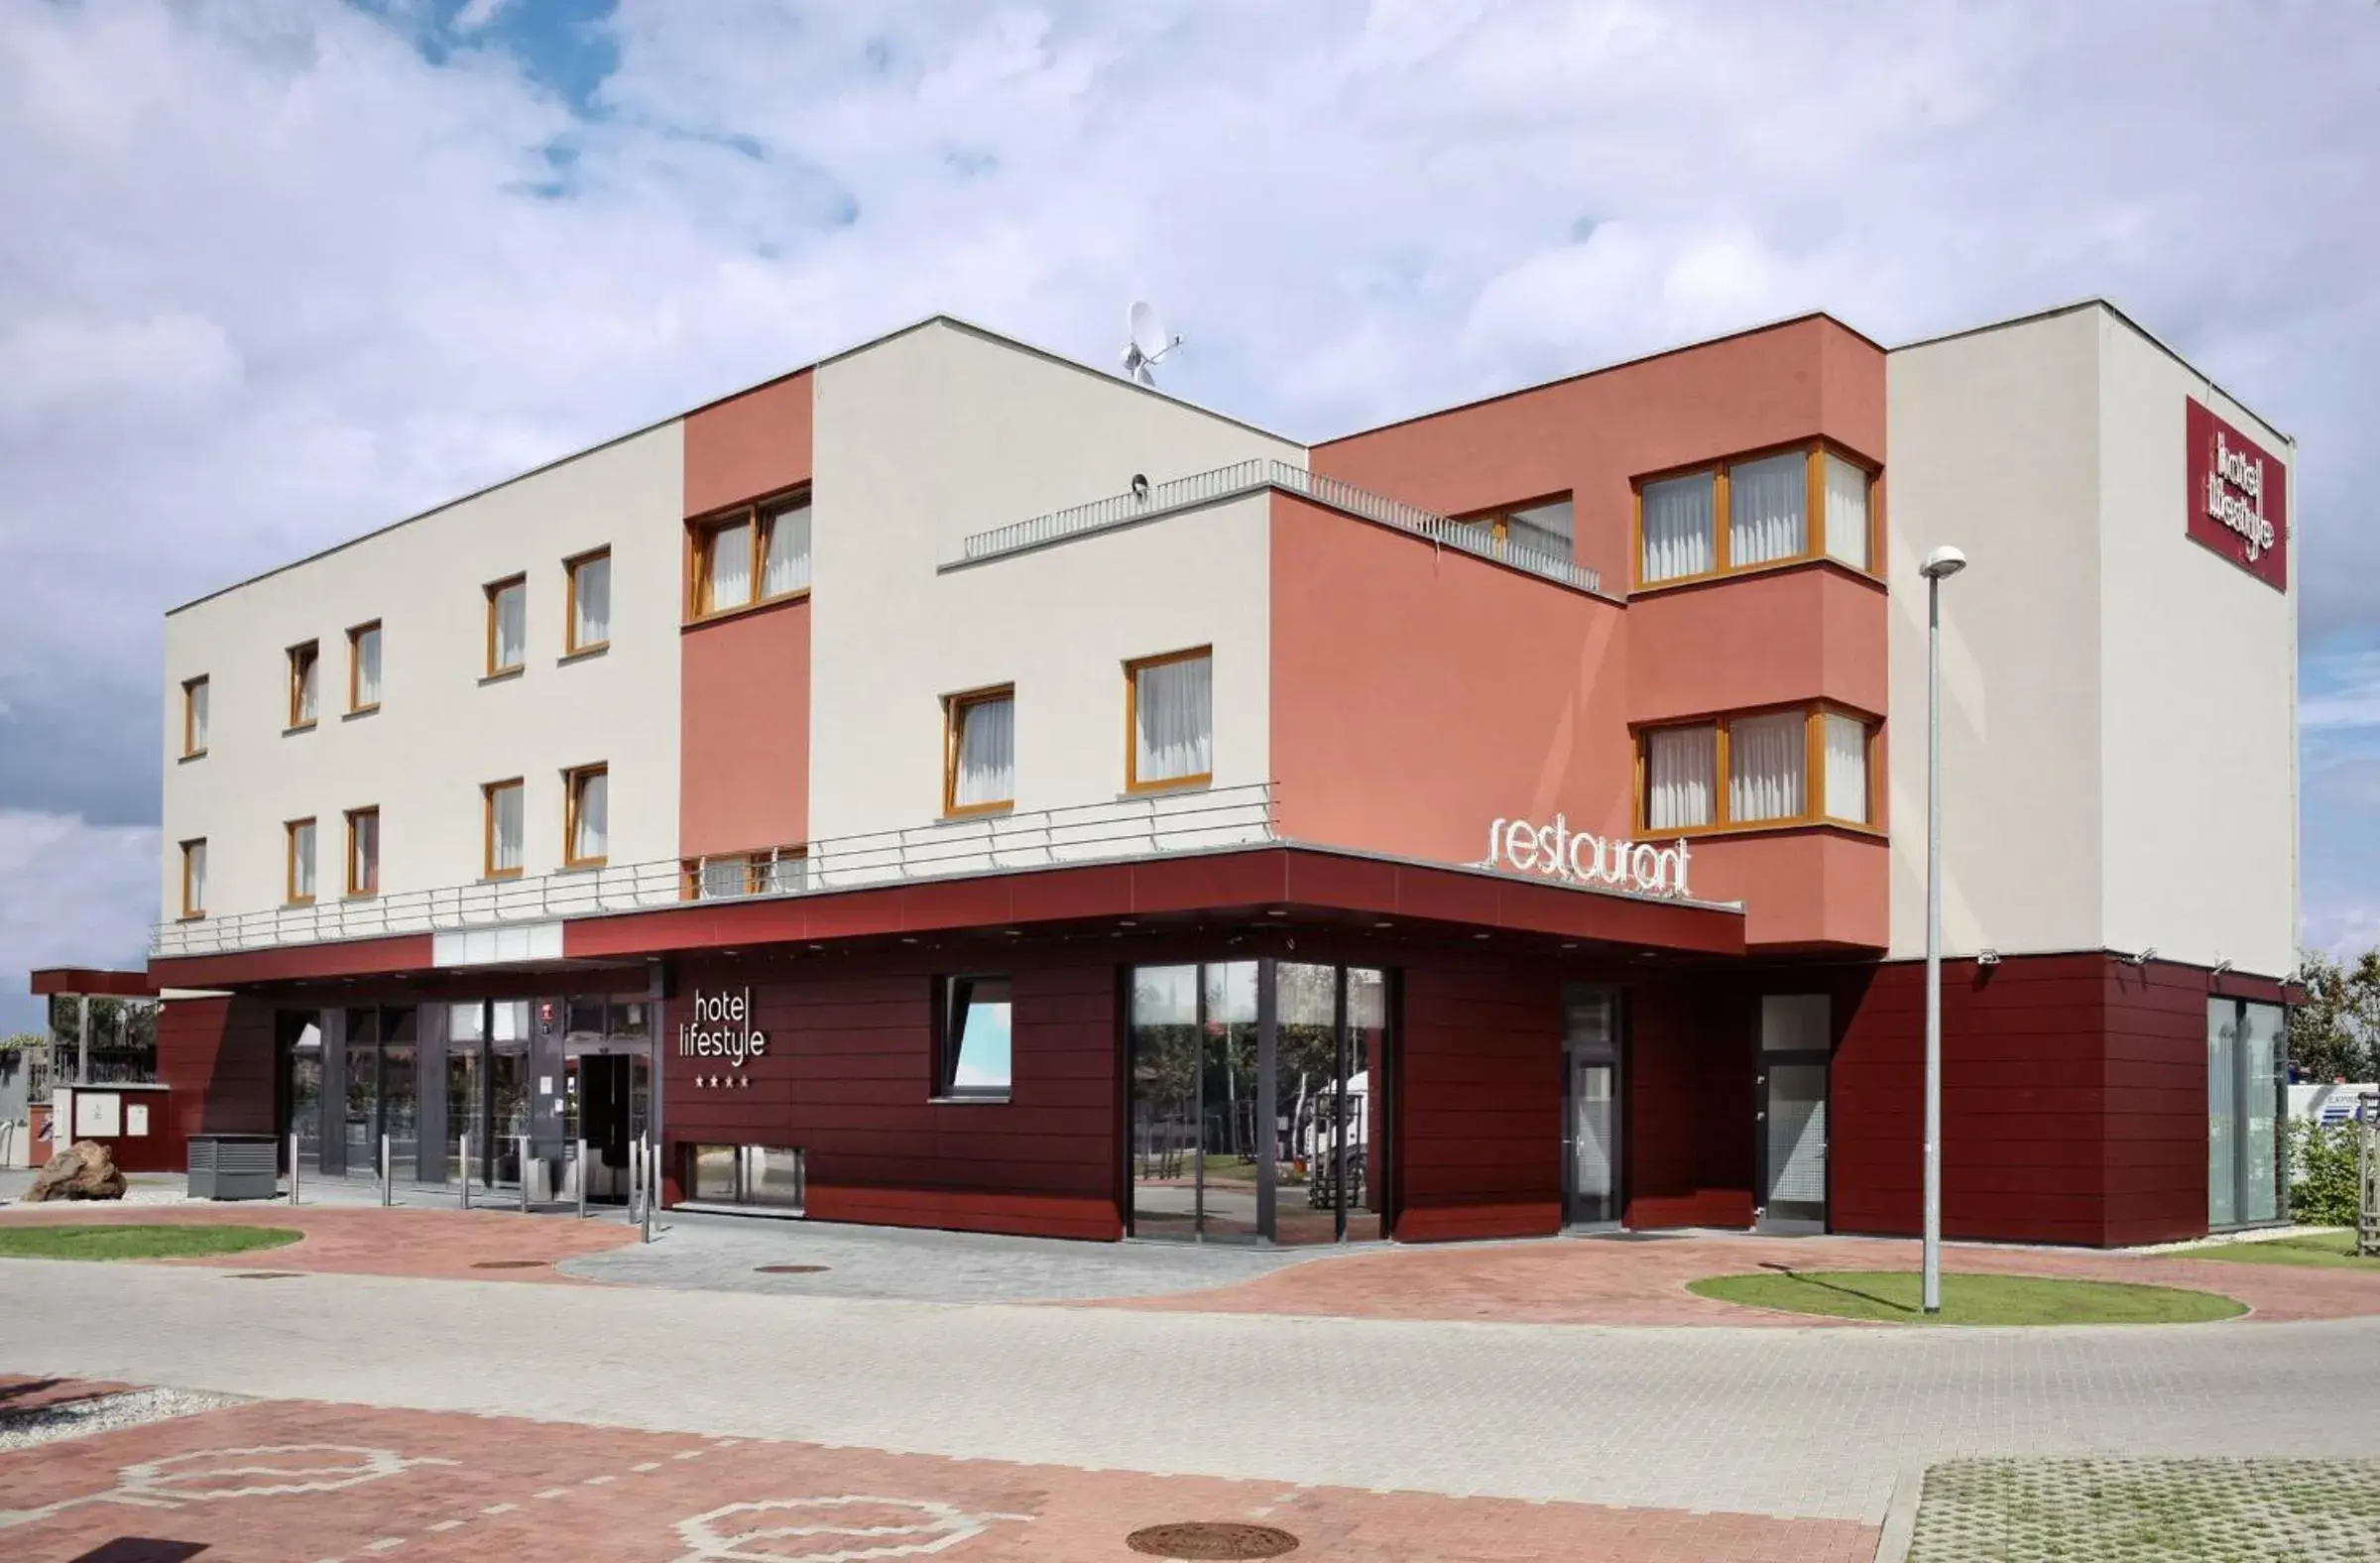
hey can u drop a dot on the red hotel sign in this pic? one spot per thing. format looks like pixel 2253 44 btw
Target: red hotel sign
pixel 2238 498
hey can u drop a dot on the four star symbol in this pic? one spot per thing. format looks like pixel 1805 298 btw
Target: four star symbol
pixel 721 1082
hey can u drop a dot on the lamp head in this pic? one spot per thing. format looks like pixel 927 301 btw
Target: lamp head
pixel 1942 561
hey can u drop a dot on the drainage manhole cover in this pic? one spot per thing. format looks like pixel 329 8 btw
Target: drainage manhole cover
pixel 510 1265
pixel 788 1269
pixel 266 1274
pixel 1211 1539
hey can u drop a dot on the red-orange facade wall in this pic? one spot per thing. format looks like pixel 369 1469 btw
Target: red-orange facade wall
pixel 749 445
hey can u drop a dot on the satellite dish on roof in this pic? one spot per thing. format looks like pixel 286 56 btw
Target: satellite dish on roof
pixel 1144 342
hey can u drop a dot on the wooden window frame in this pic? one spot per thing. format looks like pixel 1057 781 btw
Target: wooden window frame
pixel 1499 519
pixel 191 749
pixel 305 658
pixel 347 874
pixel 761 516
pixel 487 828
pixel 289 860
pixel 757 861
pixel 953 706
pixel 1813 514
pixel 572 779
pixel 1132 727
pixel 190 911
pixel 1814 760
pixel 571 644
pixel 355 667
pixel 494 590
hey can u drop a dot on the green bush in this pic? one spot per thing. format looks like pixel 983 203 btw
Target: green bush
pixel 2322 1158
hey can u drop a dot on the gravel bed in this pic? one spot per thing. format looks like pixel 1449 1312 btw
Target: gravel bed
pixel 102 1414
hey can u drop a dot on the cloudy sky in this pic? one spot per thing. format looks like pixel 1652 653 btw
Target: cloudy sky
pixel 278 272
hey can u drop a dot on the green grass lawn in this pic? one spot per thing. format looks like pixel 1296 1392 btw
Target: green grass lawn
pixel 1892 1296
pixel 136 1243
pixel 2327 1249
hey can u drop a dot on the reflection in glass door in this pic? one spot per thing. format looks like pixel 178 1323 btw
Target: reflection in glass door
pixel 1252 1120
pixel 361 1125
pixel 2246 1076
pixel 1796 1031
pixel 1590 1107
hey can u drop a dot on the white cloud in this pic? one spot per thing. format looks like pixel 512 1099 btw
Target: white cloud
pixel 70 894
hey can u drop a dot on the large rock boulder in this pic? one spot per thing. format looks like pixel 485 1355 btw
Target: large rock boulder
pixel 83 1171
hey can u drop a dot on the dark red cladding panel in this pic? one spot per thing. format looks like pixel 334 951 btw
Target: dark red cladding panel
pixel 1480 1121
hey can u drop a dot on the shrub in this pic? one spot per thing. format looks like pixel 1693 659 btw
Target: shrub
pixel 2321 1160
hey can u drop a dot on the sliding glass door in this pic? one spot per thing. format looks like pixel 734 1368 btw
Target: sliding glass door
pixel 1258 1113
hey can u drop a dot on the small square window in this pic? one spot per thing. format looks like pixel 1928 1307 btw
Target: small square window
pixel 305 684
pixel 590 592
pixel 974 1052
pixel 507 625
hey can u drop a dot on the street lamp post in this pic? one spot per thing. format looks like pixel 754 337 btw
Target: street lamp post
pixel 1940 565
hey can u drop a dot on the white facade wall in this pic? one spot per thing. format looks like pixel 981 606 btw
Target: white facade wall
pixel 2119 742
pixel 442 730
pixel 940 432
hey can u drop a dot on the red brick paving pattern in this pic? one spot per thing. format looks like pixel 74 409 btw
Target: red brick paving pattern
pixel 444 1244
pixel 507 1489
pixel 1598 1281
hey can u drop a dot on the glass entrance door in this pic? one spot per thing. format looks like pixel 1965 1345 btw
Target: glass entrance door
pixel 1590 1160
pixel 1796 1033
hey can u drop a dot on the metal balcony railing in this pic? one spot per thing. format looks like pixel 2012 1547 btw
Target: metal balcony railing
pixel 1247 477
pixel 1207 820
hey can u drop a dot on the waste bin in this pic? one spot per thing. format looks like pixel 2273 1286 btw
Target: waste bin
pixel 234 1166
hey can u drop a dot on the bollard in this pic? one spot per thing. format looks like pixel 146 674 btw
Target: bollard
pixel 293 1167
pixel 579 1172
pixel 465 1156
pixel 652 1191
pixel 525 1175
pixel 387 1172
pixel 635 1184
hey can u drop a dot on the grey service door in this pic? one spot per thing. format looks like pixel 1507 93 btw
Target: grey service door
pixel 1796 1035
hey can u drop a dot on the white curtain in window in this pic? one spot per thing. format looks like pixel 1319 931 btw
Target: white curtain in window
pixel 364 845
pixel 788 564
pixel 730 876
pixel 301 861
pixel 1847 512
pixel 367 668
pixel 986 761
pixel 1543 530
pixel 593 836
pixel 591 602
pixel 310 686
pixel 1173 733
pixel 507 847
pixel 1765 760
pixel 1765 502
pixel 197 739
pixel 1677 526
pixel 512 626
pixel 194 870
pixel 731 566
pixel 1680 777
pixel 1846 767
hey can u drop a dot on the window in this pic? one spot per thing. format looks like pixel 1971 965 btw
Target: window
pixel 586 816
pixel 305 684
pixel 507 625
pixel 1795 766
pixel 1543 529
pixel 1806 503
pixel 363 852
pixel 973 1057
pixel 766 1175
pixel 771 871
pixel 363 667
pixel 500 829
pixel 299 878
pixel 1169 707
pixel 2247 1074
pixel 979 765
pixel 194 877
pixel 590 606
pixel 194 718
pixel 754 553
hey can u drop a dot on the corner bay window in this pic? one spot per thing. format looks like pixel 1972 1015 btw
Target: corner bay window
pixel 979 759
pixel 972 1055
pixel 751 555
pixel 1170 702
pixel 1756 511
pixel 1800 766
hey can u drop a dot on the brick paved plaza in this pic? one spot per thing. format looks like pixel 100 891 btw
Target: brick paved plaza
pixel 1548 1400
